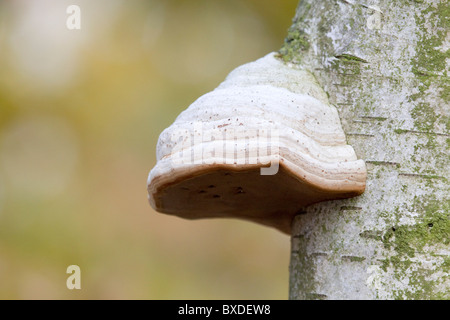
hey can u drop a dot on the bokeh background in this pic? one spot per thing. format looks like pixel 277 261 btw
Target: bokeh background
pixel 80 115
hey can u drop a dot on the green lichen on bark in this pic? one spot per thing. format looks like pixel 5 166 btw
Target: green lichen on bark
pixel 430 64
pixel 434 228
pixel 425 117
pixel 430 67
pixel 295 42
pixel 408 241
pixel 421 288
pixel 431 58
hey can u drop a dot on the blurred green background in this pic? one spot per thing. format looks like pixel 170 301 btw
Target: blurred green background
pixel 80 115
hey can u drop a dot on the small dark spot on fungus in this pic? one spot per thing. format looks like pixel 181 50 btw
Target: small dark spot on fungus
pixel 211 186
pixel 202 191
pixel 185 188
pixel 239 190
pixel 216 196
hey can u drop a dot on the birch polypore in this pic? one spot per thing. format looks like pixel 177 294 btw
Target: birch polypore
pixel 260 147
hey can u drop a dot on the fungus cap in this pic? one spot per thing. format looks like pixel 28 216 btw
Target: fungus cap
pixel 262 146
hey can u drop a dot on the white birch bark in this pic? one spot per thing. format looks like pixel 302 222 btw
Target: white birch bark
pixel 385 66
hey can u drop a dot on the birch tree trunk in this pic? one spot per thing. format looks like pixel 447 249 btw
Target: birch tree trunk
pixel 384 64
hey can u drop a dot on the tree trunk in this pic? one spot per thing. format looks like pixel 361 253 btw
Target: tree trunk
pixel 385 66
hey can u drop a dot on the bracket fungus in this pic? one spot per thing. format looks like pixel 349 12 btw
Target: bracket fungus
pixel 262 146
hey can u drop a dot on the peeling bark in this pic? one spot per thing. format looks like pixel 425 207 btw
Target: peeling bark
pixel 385 65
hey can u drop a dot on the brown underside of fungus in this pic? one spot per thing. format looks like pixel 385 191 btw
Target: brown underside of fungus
pixel 262 146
